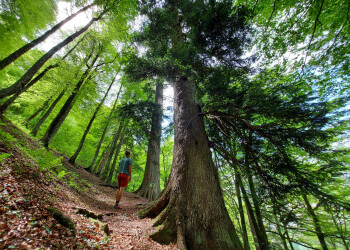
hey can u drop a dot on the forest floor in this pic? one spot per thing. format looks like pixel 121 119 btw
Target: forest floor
pixel 27 190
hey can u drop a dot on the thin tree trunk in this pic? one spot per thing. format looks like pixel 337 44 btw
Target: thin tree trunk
pixel 91 167
pixel 102 162
pixel 340 231
pixel 75 155
pixel 25 79
pixel 262 231
pixel 47 113
pixel 252 221
pixel 279 231
pixel 316 221
pixel 114 163
pixel 241 213
pixel 11 58
pixel 113 146
pixel 150 187
pixel 39 110
pixel 36 79
pixel 9 101
pixel 58 120
pixel 288 238
pixel 191 209
pixel 263 239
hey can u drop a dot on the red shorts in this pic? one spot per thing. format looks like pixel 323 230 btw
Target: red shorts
pixel 123 180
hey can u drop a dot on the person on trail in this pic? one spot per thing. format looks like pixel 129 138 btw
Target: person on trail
pixel 124 177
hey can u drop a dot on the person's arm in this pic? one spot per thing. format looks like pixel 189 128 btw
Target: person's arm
pixel 129 172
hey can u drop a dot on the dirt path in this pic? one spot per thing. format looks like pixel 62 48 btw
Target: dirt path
pixel 128 231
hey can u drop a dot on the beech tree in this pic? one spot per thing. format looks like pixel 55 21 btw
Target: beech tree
pixel 11 58
pixel 59 119
pixel 75 155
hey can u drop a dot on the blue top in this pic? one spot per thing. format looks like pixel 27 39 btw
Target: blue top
pixel 124 166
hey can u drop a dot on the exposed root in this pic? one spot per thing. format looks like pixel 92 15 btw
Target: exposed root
pixel 156 207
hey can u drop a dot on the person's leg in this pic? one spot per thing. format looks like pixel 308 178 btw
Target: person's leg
pixel 119 195
pixel 122 183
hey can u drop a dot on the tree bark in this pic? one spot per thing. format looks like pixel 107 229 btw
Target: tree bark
pixel 20 84
pixel 58 120
pixel 114 163
pixel 47 113
pixel 75 155
pixel 39 110
pixel 150 187
pixel 317 223
pixel 191 209
pixel 91 167
pixel 11 58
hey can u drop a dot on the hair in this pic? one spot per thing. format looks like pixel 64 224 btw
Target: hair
pixel 127 153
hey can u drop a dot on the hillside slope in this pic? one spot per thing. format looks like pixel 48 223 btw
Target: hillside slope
pixel 34 180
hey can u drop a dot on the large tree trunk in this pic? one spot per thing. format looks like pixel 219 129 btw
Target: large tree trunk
pixel 150 187
pixel 25 79
pixel 47 113
pixel 75 155
pixel 114 163
pixel 91 167
pixel 58 120
pixel 11 58
pixel 317 223
pixel 46 103
pixel 191 209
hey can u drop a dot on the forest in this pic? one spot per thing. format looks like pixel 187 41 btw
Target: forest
pixel 236 114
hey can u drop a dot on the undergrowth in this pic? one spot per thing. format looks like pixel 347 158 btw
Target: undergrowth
pixel 45 160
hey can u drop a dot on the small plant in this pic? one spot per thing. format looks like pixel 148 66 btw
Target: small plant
pixel 4 156
pixel 61 174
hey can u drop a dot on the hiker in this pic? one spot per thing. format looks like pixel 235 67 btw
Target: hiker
pixel 124 177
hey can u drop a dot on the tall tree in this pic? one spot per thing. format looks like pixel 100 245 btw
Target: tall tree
pixel 187 212
pixel 150 187
pixel 37 112
pixel 13 56
pixel 25 79
pixel 91 167
pixel 112 148
pixel 37 78
pixel 316 221
pixel 23 20
pixel 47 113
pixel 80 146
pixel 59 119
pixel 115 158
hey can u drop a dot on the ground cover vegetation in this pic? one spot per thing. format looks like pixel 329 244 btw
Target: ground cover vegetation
pixel 251 152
